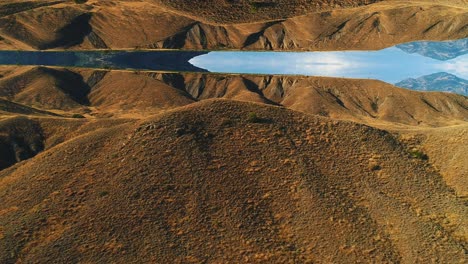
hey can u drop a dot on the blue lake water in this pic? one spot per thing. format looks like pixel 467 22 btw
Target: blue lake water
pixel 410 60
pixel 389 65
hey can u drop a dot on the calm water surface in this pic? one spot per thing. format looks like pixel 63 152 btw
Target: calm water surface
pixel 410 60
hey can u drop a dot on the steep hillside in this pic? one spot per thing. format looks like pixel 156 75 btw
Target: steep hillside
pixel 225 181
pixel 367 101
pixel 139 94
pixel 45 26
pixel 184 24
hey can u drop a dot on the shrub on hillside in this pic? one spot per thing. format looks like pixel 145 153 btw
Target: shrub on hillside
pixel 77 116
pixel 417 154
pixel 253 118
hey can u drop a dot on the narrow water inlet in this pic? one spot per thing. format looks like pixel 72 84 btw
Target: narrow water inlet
pixel 445 61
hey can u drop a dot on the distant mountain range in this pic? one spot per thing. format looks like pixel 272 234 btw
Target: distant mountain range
pixel 437 50
pixel 442 82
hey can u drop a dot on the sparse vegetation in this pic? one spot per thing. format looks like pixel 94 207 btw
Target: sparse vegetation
pixel 77 116
pixel 226 122
pixel 417 154
pixel 246 184
pixel 12 8
pixel 251 10
pixel 160 173
pixel 253 118
pixel 374 106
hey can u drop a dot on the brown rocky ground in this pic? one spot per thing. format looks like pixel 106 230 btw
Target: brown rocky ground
pixel 226 181
pixel 228 25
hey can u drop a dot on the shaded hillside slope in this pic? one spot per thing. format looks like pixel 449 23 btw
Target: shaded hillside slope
pixel 44 87
pixel 8 108
pixel 213 182
pixel 20 139
pixel 366 101
pixel 152 24
pixel 46 27
pixel 24 136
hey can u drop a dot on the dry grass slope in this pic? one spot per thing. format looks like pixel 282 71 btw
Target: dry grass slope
pixel 132 94
pixel 206 183
pixel 215 24
pixel 244 11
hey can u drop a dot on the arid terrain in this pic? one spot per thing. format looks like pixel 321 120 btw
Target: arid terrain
pixel 228 24
pixel 211 168
pixel 123 166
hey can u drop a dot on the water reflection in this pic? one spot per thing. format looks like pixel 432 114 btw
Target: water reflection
pixel 414 63
pixel 389 65
pixel 444 50
pixel 139 60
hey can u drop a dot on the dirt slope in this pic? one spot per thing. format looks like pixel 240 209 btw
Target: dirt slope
pixel 212 183
pixel 190 25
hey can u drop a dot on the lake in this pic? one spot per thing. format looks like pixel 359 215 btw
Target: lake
pixel 423 64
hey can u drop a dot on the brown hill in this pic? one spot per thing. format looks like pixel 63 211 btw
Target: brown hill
pixel 45 88
pixel 200 25
pixel 132 94
pixel 226 181
pixel 43 25
pixel 366 101
pixel 129 93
